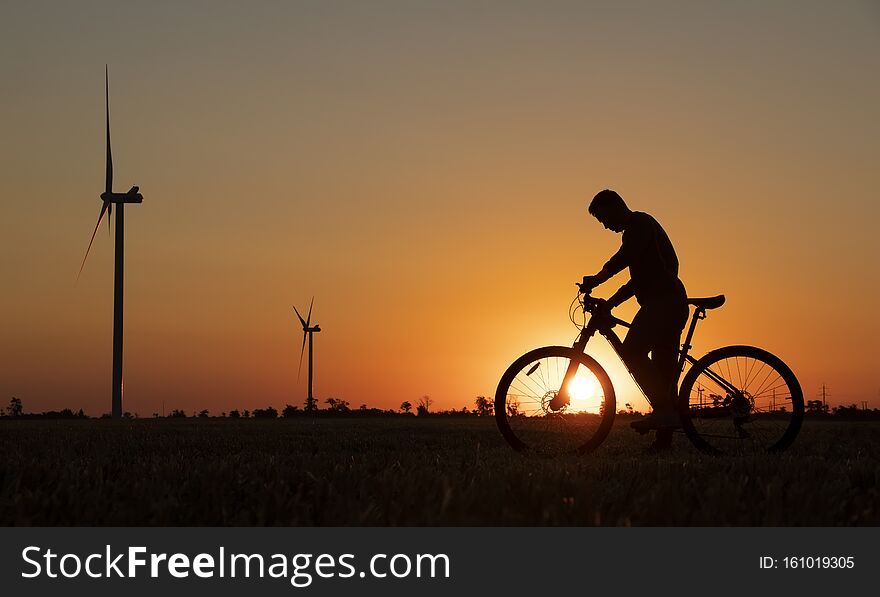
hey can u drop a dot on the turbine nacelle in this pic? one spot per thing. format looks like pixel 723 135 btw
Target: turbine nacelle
pixel 132 196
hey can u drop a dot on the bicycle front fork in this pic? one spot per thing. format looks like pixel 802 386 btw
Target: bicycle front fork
pixel 562 397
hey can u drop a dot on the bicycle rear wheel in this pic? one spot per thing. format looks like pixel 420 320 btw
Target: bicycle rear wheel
pixel 528 420
pixel 741 400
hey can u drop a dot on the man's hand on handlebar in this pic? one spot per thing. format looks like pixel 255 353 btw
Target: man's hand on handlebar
pixel 588 284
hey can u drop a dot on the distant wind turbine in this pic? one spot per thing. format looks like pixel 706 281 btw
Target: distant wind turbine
pixel 308 330
pixel 108 197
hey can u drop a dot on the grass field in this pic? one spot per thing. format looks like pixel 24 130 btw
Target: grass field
pixel 410 471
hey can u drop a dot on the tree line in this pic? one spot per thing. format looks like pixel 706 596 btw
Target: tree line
pixel 336 407
pixel 333 407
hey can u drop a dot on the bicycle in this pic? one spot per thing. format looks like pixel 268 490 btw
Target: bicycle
pixel 736 399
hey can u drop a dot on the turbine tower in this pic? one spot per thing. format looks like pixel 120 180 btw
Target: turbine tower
pixel 308 330
pixel 108 198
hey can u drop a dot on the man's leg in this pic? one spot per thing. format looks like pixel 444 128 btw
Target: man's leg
pixel 664 358
pixel 657 329
pixel 639 341
pixel 665 345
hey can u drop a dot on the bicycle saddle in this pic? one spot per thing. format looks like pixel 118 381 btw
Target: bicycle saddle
pixel 709 302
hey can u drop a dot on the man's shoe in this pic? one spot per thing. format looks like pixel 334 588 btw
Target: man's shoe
pixel 657 420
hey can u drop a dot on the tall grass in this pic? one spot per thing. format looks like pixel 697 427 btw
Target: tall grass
pixel 415 472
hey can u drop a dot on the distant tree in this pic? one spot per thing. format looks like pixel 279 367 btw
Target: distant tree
pixel 223 414
pixel 177 414
pixel 424 406
pixel 310 405
pixel 362 407
pixel 512 407
pixel 65 413
pixel 234 414
pixel 406 406
pixel 337 405
pixel 203 414
pixel 246 414
pixel 289 411
pixel 484 406
pixel 265 413
pixel 15 408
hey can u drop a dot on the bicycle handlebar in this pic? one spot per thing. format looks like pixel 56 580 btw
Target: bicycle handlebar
pixel 597 307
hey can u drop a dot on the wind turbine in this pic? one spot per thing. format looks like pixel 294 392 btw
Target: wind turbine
pixel 108 198
pixel 308 330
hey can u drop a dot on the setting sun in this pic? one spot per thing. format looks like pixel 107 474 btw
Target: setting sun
pixel 583 392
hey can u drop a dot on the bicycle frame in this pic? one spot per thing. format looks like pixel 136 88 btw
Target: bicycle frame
pixel 605 325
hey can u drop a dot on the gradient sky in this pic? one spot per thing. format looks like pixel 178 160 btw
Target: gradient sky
pixel 423 170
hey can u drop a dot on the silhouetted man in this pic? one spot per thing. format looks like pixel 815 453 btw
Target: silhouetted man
pixel 656 329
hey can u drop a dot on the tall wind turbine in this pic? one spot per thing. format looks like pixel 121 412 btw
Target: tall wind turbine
pixel 308 330
pixel 108 198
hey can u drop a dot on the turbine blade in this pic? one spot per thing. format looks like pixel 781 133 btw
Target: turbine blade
pixel 109 180
pixel 309 318
pixel 101 215
pixel 301 320
pixel 301 353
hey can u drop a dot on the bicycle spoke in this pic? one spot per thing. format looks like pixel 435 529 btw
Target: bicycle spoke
pixel 749 376
pixel 540 373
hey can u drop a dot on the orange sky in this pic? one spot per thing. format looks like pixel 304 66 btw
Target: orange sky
pixel 424 170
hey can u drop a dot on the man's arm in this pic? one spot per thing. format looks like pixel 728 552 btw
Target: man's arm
pixel 636 240
pixel 624 293
pixel 612 267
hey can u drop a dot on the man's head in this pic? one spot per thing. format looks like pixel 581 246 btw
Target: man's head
pixel 609 208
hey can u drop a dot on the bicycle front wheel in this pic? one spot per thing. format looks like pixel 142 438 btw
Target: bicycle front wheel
pixel 741 400
pixel 529 418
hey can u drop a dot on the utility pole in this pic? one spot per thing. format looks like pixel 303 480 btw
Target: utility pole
pixel 825 394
